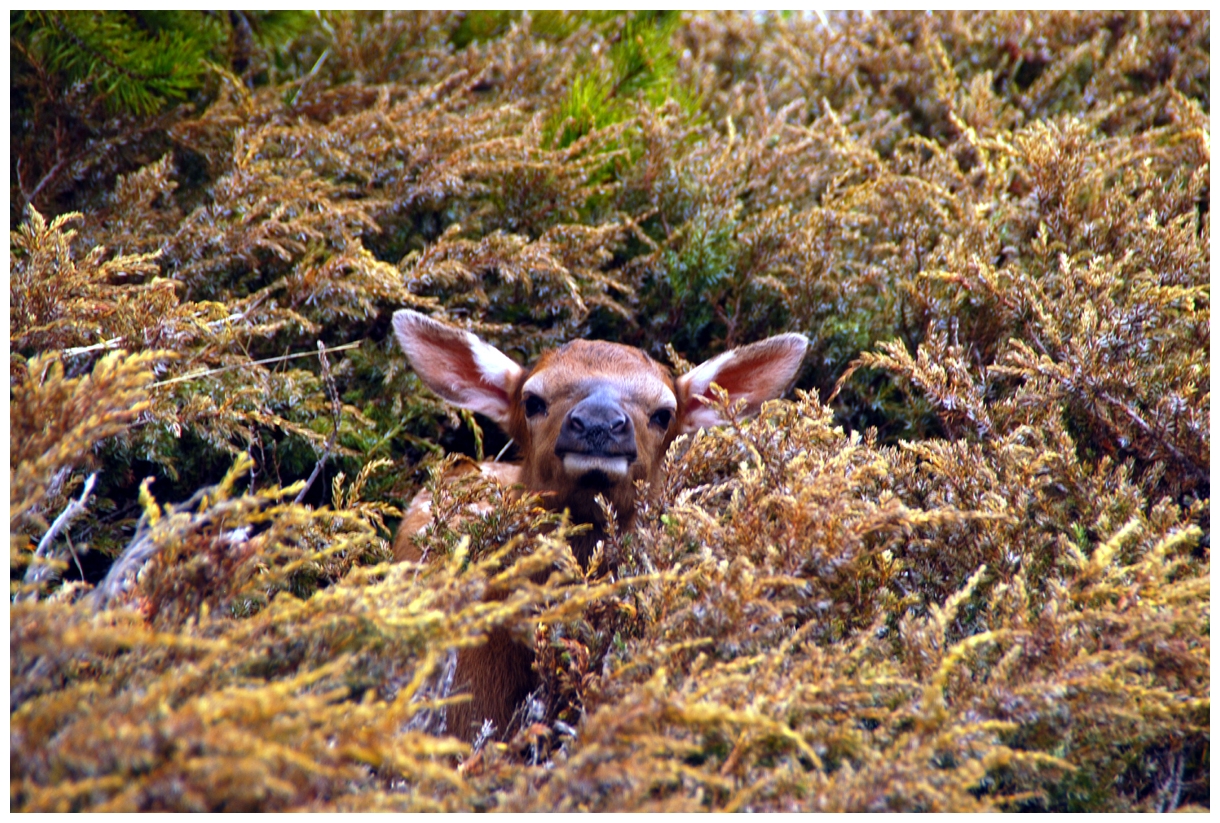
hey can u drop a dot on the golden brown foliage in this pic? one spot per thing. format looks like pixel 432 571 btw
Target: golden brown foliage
pixel 978 581
pixel 55 301
pixel 57 421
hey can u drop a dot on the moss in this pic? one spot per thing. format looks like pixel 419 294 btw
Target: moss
pixel 965 567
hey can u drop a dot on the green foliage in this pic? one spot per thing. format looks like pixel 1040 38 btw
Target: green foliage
pixel 138 61
pixel 135 64
pixel 84 84
pixel 640 62
pixel 967 568
pixel 482 25
pixel 57 420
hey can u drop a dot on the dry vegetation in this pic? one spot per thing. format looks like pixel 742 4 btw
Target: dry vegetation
pixel 977 580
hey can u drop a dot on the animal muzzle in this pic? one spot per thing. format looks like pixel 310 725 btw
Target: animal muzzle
pixel 597 436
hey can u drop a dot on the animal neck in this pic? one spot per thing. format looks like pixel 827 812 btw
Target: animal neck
pixel 584 544
pixel 584 510
pixel 581 502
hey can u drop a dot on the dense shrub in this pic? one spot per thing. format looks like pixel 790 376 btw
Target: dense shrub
pixel 965 568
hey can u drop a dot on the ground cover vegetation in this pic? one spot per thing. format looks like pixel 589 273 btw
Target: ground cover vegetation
pixel 965 567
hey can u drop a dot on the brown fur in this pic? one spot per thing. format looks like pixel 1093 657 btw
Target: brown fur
pixel 619 381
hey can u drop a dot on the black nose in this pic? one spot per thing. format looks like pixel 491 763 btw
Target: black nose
pixel 597 426
pixel 588 417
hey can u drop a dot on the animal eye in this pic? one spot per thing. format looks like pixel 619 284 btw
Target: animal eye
pixel 661 417
pixel 534 405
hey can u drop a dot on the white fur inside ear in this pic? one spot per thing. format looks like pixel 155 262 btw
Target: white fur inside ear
pixel 701 377
pixel 696 382
pixel 497 367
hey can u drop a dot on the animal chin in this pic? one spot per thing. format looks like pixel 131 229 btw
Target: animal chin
pixel 613 467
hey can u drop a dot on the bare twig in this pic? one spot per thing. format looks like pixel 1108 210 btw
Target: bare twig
pixel 336 411
pixel 500 453
pixel 46 178
pixel 139 550
pixel 75 556
pixel 1135 417
pixel 312 73
pixel 434 720
pixel 41 570
pixel 1169 793
pixel 209 372
pixel 105 345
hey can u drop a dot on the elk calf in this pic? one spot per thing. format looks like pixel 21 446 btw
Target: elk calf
pixel 590 417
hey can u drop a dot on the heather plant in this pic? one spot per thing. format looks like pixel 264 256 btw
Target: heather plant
pixel 965 567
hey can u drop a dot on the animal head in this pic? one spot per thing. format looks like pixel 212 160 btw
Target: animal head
pixel 591 416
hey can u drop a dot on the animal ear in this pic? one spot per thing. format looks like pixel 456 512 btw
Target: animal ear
pixel 458 366
pixel 754 373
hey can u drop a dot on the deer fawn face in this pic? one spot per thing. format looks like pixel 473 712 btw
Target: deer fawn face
pixel 591 417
